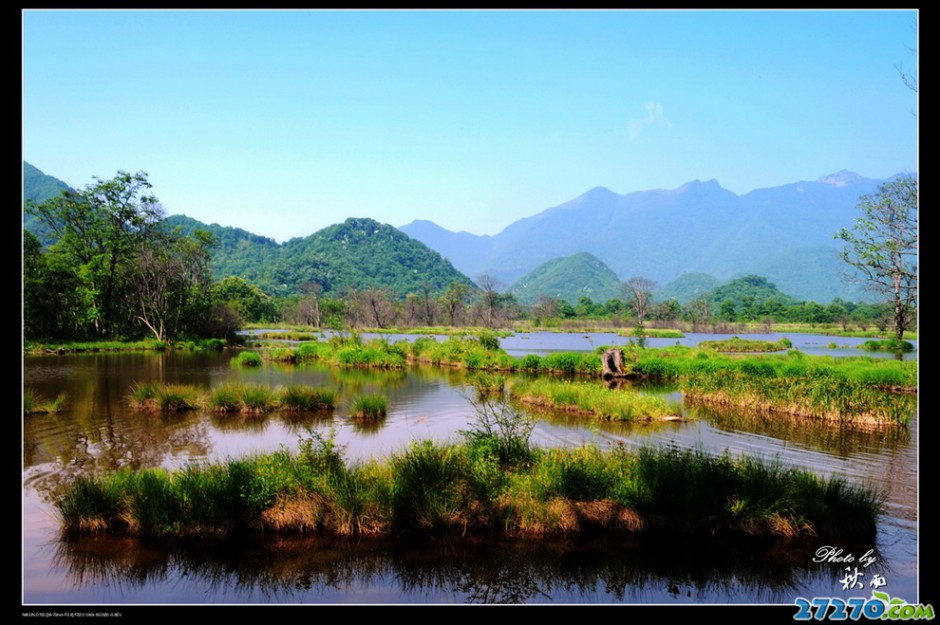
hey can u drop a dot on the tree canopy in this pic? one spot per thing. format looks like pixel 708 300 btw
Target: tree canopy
pixel 112 269
pixel 881 247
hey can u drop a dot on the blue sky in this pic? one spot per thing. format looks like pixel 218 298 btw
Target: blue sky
pixel 285 122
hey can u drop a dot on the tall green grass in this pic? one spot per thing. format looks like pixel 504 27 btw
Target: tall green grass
pixel 887 345
pixel 247 359
pixel 852 390
pixel 591 399
pixel 304 398
pixel 369 406
pixel 228 398
pixel 441 487
pixel 158 397
pixel 739 345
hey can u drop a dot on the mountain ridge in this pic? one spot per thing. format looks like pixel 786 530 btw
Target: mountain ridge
pixel 661 234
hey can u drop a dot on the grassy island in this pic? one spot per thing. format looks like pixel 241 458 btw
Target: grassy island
pixel 488 483
pixel 860 390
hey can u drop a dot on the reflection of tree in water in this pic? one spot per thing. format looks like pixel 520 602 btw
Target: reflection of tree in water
pixel 472 570
pixel 841 440
pixel 131 440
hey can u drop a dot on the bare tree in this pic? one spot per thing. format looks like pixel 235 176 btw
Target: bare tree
pixel 490 297
pixel 639 292
pixel 370 306
pixel 309 305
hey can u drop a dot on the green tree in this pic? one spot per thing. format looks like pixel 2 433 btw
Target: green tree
pixel 49 293
pixel 99 233
pixel 250 302
pixel 454 300
pixel 881 248
pixel 170 281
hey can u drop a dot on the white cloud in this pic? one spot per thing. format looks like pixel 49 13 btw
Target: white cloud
pixel 654 114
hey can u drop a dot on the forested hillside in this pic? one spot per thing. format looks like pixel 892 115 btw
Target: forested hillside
pixel 568 279
pixel 354 255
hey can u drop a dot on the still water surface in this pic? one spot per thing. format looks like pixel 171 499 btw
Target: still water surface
pixel 98 433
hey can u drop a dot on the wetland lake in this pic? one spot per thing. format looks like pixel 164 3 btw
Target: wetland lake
pixel 97 432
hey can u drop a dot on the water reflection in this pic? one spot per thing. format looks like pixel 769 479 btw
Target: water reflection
pixel 461 570
pixel 842 441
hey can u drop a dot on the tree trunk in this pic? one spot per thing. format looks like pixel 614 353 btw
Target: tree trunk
pixel 612 361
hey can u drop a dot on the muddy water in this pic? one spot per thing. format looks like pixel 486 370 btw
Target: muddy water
pixel 98 433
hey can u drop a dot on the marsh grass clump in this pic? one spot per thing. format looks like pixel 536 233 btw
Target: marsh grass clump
pixel 312 351
pixel 377 353
pixel 591 399
pixel 864 391
pixel 716 495
pixel 157 397
pixel 429 487
pixel 303 398
pixel 571 363
pixel 258 399
pixel 441 487
pixel 226 398
pixel 247 359
pixel 369 406
pixel 36 403
pixel 739 345
pixel 887 345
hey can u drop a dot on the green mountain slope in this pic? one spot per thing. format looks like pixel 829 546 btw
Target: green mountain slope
pixel 363 253
pixel 568 278
pixel 687 287
pixel 240 253
pixel 356 254
pixel 748 290
pixel 39 187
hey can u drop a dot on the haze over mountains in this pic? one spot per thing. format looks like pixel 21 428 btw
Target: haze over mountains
pixel 784 233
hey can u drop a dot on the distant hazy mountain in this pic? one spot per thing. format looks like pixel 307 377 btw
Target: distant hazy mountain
pixel 785 233
pixel 569 278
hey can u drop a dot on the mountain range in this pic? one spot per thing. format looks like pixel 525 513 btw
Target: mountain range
pixel 687 239
pixel 786 233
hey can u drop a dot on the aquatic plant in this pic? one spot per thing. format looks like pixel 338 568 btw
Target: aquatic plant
pixel 591 399
pixel 226 398
pixel 887 345
pixel 258 399
pixel 158 397
pixel 247 359
pixel 307 398
pixel 739 345
pixel 35 403
pixel 370 406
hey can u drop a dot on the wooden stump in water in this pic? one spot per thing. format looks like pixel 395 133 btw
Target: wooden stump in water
pixel 612 361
